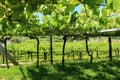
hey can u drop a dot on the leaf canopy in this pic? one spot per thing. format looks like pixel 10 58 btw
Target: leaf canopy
pixel 59 18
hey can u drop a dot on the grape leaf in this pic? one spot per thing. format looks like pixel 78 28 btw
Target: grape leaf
pixel 118 20
pixel 69 8
pixel 2 10
pixel 76 2
pixel 116 4
pixel 105 13
pixel 93 3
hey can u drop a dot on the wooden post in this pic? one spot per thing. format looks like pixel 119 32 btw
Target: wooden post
pixel 51 55
pixel 21 54
pixel 117 51
pixel 45 57
pixel 18 55
pixel 28 55
pixel 110 48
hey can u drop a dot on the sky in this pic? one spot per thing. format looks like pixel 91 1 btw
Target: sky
pixel 77 8
pixel 39 16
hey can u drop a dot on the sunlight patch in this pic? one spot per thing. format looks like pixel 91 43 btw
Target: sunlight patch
pixel 90 73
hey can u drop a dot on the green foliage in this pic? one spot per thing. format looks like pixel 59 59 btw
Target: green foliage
pixel 77 2
pixel 68 8
pixel 116 4
pixel 2 10
pixel 93 3
pixel 17 16
pixel 105 13
pixel 73 18
pixel 118 20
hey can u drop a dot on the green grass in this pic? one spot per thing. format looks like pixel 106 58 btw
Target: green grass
pixel 100 70
pixel 74 69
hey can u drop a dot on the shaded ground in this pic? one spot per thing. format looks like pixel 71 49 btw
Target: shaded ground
pixel 99 70
pixel 77 71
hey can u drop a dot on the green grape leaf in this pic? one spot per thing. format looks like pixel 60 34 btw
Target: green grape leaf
pixel 96 11
pixel 118 20
pixel 2 1
pixel 59 8
pixel 109 1
pixel 18 8
pixel 113 4
pixel 2 10
pixel 54 1
pixel 0 27
pixel 93 3
pixel 105 13
pixel 14 1
pixel 69 8
pixel 47 10
pixel 116 4
pixel 76 2
pixel 73 17
pixel 103 21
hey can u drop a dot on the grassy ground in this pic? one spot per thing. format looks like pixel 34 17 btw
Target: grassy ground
pixel 75 69
pixel 100 70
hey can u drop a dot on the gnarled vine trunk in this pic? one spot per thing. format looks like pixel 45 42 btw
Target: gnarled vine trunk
pixel 37 39
pixel 110 48
pixel 6 53
pixel 37 51
pixel 63 50
pixel 87 50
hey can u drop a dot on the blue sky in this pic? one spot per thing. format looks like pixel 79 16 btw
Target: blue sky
pixel 39 16
pixel 77 8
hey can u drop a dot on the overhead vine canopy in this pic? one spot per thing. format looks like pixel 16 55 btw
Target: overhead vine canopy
pixel 17 17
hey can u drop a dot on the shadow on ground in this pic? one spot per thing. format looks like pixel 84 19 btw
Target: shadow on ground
pixel 76 71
